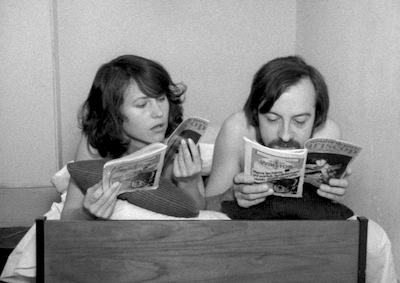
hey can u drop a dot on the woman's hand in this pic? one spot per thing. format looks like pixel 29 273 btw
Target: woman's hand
pixel 336 189
pixel 187 169
pixel 187 164
pixel 99 203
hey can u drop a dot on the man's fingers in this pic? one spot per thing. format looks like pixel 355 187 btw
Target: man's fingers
pixel 247 203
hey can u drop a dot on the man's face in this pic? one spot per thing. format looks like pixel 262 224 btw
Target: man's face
pixel 289 123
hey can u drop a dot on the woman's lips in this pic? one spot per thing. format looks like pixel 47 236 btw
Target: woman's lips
pixel 158 128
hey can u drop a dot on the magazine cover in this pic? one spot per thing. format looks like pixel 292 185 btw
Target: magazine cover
pixel 140 170
pixel 328 159
pixel 192 127
pixel 283 168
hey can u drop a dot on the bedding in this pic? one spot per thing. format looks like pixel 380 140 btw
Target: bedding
pixel 167 199
pixel 21 264
pixel 310 207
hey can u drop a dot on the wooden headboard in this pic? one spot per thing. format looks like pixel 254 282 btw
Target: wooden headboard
pixel 201 251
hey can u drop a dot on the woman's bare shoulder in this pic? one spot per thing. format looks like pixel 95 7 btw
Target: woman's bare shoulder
pixel 85 151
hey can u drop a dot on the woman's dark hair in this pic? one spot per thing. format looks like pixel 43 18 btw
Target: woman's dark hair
pixel 274 78
pixel 100 117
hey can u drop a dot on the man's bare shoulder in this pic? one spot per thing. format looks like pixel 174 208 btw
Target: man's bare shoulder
pixel 236 124
pixel 330 129
pixel 230 137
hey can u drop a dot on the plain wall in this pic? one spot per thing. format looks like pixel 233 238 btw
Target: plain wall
pixel 29 152
pixel 356 44
pixel 50 51
pixel 214 47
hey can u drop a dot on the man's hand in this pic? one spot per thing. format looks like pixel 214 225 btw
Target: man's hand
pixel 336 189
pixel 100 204
pixel 248 193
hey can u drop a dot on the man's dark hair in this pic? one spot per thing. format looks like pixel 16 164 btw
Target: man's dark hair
pixel 274 78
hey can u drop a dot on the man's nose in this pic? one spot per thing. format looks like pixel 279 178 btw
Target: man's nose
pixel 285 133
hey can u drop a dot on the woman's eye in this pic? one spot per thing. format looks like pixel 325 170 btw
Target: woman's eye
pixel 162 98
pixel 141 105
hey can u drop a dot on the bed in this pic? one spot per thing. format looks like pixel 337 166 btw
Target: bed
pixel 201 251
pixel 139 245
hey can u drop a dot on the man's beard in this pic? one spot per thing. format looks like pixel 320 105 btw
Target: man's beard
pixel 278 143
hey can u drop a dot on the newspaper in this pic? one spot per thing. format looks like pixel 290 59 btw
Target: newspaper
pixel 284 169
pixel 287 170
pixel 328 159
pixel 142 169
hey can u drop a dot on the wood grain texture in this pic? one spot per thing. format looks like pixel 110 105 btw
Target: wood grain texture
pixel 201 251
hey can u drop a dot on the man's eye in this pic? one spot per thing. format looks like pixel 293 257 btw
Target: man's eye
pixel 272 119
pixel 300 121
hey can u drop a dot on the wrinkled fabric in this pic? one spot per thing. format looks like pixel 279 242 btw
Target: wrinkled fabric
pixel 380 262
pixel 21 264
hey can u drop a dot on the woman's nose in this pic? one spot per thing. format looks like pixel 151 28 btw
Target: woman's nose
pixel 157 110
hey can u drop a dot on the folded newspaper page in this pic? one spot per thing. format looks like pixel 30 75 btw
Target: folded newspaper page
pixel 328 159
pixel 284 169
pixel 140 170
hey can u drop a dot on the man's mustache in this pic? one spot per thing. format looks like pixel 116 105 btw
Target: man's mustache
pixel 281 144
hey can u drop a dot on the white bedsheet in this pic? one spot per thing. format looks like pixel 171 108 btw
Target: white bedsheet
pixel 21 264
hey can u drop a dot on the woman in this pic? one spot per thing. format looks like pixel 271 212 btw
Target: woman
pixel 132 103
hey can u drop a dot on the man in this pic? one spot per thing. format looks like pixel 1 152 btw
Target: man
pixel 284 110
pixel 287 105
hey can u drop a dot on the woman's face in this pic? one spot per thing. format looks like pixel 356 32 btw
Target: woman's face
pixel 145 118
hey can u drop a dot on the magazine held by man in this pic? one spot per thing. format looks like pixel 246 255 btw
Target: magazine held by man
pixel 328 159
pixel 142 169
pixel 287 170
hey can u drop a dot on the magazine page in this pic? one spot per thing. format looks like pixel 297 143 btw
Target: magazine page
pixel 328 159
pixel 283 168
pixel 192 127
pixel 140 170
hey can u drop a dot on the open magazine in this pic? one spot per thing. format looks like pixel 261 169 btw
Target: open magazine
pixel 328 159
pixel 142 169
pixel 193 128
pixel 287 170
pixel 283 168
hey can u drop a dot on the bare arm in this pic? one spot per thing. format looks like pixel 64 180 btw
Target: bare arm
pixel 96 203
pixel 247 193
pixel 226 161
